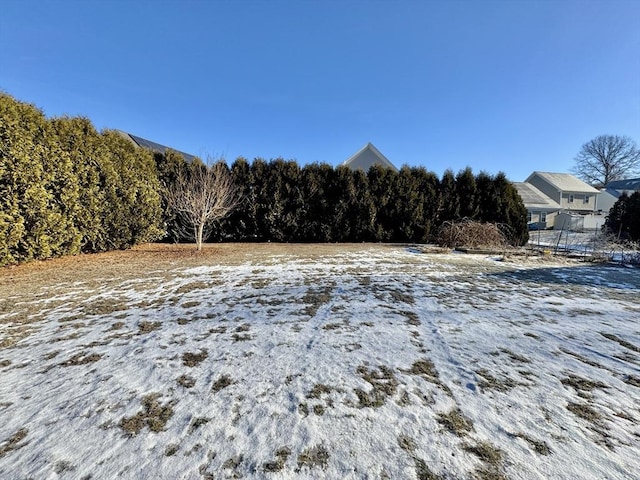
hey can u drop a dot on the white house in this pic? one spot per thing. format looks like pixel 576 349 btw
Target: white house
pixel 541 210
pixel 367 157
pixel 613 190
pixel 572 194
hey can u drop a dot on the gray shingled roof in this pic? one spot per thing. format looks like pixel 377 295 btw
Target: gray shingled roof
pixel 627 184
pixel 366 157
pixel 534 199
pixel 565 182
pixel 153 146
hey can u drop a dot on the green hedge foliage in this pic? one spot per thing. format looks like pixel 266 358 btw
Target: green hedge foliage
pixel 66 189
pixel 623 220
pixel 283 202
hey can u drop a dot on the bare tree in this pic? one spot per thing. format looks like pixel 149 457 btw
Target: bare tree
pixel 607 158
pixel 201 196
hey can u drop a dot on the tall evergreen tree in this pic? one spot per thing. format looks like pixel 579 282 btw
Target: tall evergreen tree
pixel 466 192
pixel 449 200
pixel 383 183
pixel 623 220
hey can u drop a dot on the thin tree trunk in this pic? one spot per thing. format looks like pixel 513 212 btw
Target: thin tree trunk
pixel 199 234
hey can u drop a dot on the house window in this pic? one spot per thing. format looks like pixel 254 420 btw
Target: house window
pixel 528 217
pixel 570 198
pixel 543 217
pixel 586 199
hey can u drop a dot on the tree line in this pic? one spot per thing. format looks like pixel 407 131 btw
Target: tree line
pixel 66 188
pixel 280 201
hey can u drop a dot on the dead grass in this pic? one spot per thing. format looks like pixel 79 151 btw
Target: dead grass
pixel 540 447
pixel 318 390
pixel 427 370
pixel 492 458
pixel 282 455
pixel 402 297
pixel 145 327
pixel 489 382
pixel 316 298
pixel 412 318
pixel 407 443
pixel 82 358
pixel 455 422
pixel 171 449
pixel 104 306
pixel 584 411
pixel 622 342
pixel 245 337
pixel 383 382
pixel 13 442
pixel 186 381
pixel 514 356
pixel 192 359
pixel 423 472
pixel 196 423
pixel 317 456
pixel 153 415
pixel 190 287
pixel 223 382
pixel 581 384
pixel 632 380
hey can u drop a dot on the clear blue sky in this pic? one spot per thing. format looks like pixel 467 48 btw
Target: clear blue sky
pixel 507 86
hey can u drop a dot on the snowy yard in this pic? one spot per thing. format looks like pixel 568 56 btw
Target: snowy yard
pixel 367 362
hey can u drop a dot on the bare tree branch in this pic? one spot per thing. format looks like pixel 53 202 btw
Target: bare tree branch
pixel 607 158
pixel 201 196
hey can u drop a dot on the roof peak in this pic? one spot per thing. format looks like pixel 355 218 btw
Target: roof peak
pixel 362 160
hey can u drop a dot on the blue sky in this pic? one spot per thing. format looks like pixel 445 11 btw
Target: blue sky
pixel 511 86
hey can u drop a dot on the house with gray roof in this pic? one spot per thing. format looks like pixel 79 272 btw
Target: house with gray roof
pixel 541 210
pixel 572 194
pixel 153 146
pixel 367 157
pixel 613 190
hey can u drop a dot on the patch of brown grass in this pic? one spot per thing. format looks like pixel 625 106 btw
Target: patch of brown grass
pixel 13 442
pixel 318 390
pixel 584 411
pixel 582 384
pixel 153 415
pixel 147 327
pixel 620 341
pixel 317 456
pixel 540 447
pixel 186 381
pixel 223 382
pixel 282 455
pixel 383 383
pixel 489 382
pixel 455 422
pixel 315 298
pixel 82 358
pixel 191 359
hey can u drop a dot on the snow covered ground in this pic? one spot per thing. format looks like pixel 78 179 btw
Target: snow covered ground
pixel 378 363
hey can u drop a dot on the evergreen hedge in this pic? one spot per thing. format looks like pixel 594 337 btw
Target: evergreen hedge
pixel 66 188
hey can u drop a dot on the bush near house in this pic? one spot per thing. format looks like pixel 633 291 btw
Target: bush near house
pixel 623 220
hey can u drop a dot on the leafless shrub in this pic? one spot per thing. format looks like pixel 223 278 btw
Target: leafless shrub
pixel 471 234
pixel 201 197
